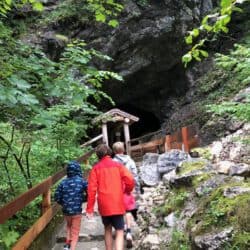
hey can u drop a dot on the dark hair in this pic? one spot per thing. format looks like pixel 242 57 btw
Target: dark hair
pixel 103 150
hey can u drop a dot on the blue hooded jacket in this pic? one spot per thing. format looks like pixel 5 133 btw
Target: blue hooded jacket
pixel 69 193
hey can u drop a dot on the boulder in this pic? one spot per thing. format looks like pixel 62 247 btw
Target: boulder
pixel 231 192
pixel 170 220
pixel 223 167
pixel 213 241
pixel 170 160
pixel 167 177
pixel 240 170
pixel 148 170
pixel 206 187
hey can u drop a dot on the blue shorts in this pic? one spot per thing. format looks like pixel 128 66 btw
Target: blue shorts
pixel 116 221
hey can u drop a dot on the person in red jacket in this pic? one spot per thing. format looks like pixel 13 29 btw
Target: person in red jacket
pixel 109 180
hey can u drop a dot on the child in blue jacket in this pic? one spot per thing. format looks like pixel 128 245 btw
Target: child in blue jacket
pixel 70 195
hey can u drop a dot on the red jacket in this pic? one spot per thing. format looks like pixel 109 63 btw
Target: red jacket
pixel 107 179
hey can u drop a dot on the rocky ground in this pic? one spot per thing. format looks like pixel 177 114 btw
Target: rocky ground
pixel 197 203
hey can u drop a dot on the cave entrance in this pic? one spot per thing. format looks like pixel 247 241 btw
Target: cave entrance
pixel 148 122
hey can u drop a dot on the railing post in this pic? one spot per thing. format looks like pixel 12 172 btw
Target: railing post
pixel 126 134
pixel 168 143
pixel 46 202
pixel 105 133
pixel 184 132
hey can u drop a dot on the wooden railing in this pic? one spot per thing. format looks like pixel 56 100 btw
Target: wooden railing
pixel 184 139
pixel 47 209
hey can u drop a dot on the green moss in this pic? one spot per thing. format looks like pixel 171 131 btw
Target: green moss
pixel 174 202
pixel 179 241
pixel 197 180
pixel 69 11
pixel 189 166
pixel 219 211
pixel 204 152
pixel 240 241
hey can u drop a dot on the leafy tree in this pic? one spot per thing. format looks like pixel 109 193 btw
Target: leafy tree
pixel 45 107
pixel 236 65
pixel 211 25
pixel 7 5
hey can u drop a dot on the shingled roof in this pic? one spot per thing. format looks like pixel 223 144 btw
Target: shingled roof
pixel 115 115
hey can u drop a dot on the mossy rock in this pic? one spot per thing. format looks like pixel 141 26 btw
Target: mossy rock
pixel 204 153
pixel 191 166
pixel 174 202
pixel 197 180
pixel 217 211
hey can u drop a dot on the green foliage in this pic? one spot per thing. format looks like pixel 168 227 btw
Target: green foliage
pixel 6 5
pixel 104 11
pixel 238 110
pixel 45 106
pixel 187 167
pixel 216 209
pixel 240 241
pixel 30 81
pixel 12 229
pixel 237 64
pixel 7 237
pixel 179 241
pixel 45 111
pixel 204 152
pixel 174 202
pixel 243 216
pixel 210 25
pixel 142 3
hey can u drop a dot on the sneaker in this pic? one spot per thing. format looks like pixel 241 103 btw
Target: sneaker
pixel 129 240
pixel 66 247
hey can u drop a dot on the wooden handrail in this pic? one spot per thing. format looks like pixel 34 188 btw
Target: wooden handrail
pixel 147 135
pixel 97 138
pixel 25 241
pixel 185 138
pixel 24 199
pixel 48 212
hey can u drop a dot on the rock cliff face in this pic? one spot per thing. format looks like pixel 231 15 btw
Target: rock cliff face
pixel 146 48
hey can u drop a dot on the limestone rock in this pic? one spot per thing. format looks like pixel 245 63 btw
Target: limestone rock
pixel 223 167
pixel 209 185
pixel 240 170
pixel 167 177
pixel 231 192
pixel 170 160
pixel 151 240
pixel 148 170
pixel 213 241
pixel 170 220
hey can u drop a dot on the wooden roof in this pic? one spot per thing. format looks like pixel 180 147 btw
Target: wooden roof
pixel 116 115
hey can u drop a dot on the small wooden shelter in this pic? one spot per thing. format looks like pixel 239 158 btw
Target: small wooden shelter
pixel 116 119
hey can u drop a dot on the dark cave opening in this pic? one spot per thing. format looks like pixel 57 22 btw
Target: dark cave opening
pixel 147 123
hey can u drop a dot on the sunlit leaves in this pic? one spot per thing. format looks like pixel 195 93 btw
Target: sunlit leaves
pixel 105 11
pixel 37 6
pixel 6 5
pixel 114 23
pixel 195 53
pixel 236 66
pixel 210 24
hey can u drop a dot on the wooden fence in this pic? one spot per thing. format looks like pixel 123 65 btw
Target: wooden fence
pixel 47 209
pixel 184 139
